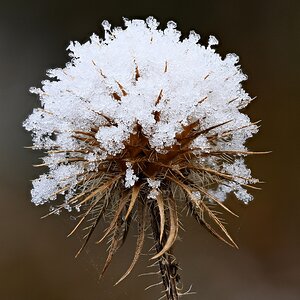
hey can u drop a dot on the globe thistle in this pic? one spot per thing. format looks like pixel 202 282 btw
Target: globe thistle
pixel 138 126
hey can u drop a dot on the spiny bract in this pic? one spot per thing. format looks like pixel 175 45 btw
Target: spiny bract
pixel 138 124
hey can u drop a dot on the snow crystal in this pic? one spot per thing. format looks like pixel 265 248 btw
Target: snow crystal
pixel 241 175
pixel 153 183
pixel 153 194
pixel 239 170
pixel 130 178
pixel 196 195
pixel 212 41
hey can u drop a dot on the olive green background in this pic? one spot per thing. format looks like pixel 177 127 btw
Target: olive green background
pixel 37 260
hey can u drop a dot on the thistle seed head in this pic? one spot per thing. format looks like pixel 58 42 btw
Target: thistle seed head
pixel 137 125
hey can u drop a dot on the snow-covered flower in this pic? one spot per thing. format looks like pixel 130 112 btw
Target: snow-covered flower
pixel 138 124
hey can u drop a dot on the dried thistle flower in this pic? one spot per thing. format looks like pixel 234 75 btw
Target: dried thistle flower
pixel 138 126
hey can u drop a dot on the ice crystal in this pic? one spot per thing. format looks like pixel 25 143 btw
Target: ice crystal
pixel 137 116
pixel 130 178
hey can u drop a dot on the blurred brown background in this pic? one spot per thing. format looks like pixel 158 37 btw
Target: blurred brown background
pixel 37 260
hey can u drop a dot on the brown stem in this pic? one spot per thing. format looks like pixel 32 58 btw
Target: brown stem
pixel 167 262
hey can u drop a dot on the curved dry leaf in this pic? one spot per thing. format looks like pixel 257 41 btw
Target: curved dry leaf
pixel 134 195
pixel 173 229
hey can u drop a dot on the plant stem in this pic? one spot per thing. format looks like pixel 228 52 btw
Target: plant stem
pixel 167 262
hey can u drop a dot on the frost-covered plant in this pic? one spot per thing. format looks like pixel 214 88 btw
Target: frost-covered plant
pixel 137 126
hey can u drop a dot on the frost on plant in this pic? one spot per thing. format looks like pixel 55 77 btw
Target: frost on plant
pixel 138 125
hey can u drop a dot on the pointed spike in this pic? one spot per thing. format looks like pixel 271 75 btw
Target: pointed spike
pixel 101 189
pixel 219 223
pixel 88 236
pixel 112 250
pixel 217 201
pixel 238 152
pixel 124 93
pixel 159 97
pixel 139 243
pixel 166 67
pixel 200 218
pixel 189 192
pixel 212 216
pixel 137 73
pixel 83 217
pixel 213 127
pixel 115 219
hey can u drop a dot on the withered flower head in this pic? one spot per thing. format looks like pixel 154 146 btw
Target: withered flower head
pixel 138 126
